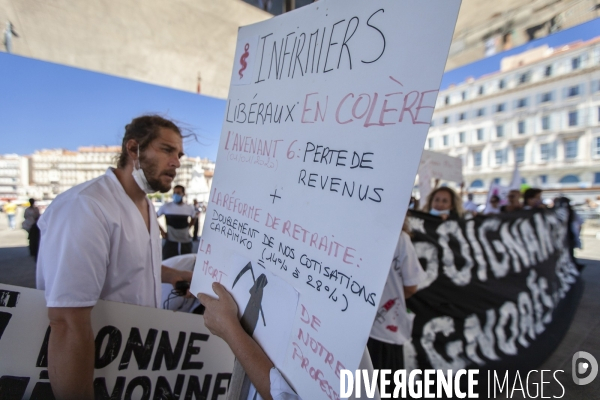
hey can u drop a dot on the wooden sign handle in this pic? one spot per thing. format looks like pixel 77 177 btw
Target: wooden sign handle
pixel 239 386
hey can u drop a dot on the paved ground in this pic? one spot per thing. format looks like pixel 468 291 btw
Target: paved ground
pixel 18 268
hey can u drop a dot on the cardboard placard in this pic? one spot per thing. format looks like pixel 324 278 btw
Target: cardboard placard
pixel 139 350
pixel 442 166
pixel 316 164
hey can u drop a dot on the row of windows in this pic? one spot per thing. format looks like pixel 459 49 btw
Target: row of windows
pixel 546 152
pixel 521 78
pixel 542 180
pixel 569 92
pixel 522 127
pixel 9 164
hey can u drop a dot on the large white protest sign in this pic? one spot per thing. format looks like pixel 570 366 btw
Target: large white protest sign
pixel 442 166
pixel 140 352
pixel 435 165
pixel 316 166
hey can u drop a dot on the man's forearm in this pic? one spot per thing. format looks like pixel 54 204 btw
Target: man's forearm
pixel 71 354
pixel 220 317
pixel 172 275
pixel 410 290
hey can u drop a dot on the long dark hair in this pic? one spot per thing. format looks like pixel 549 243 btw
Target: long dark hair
pixel 144 130
pixel 456 201
pixel 530 194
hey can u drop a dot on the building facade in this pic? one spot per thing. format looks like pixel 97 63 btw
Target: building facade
pixel 195 174
pixel 14 176
pixel 540 111
pixel 55 171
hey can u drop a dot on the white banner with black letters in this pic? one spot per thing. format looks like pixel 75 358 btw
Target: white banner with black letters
pixel 141 352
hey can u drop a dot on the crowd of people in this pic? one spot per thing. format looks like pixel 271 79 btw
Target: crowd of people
pixel 386 347
pixel 444 202
pixel 102 240
pixel 180 218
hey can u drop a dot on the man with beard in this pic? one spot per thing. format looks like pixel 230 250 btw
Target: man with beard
pixel 101 240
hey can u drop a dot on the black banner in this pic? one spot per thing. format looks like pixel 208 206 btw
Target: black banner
pixel 500 292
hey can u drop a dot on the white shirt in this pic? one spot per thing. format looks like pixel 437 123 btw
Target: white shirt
pixel 178 227
pixel 491 210
pixel 470 206
pixel 393 324
pixel 95 245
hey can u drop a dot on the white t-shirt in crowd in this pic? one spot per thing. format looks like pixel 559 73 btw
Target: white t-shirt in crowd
pixel 393 324
pixel 95 245
pixel 491 210
pixel 470 206
pixel 178 223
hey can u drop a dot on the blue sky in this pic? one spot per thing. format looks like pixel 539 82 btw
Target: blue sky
pixel 47 105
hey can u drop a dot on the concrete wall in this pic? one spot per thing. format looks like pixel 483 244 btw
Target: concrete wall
pixel 156 41
pixel 168 42
pixel 480 20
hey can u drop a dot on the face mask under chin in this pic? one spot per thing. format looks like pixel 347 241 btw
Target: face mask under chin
pixel 435 212
pixel 140 178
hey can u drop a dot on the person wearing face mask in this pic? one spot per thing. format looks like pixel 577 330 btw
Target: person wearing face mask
pixel 180 217
pixel 443 202
pixel 101 240
pixel 532 199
